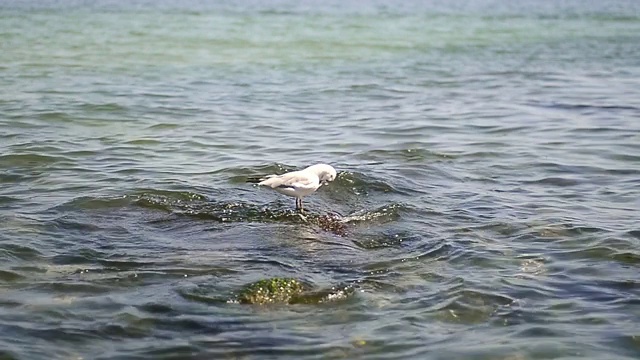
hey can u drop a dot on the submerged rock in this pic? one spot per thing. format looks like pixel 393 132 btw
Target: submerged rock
pixel 332 223
pixel 290 291
pixel 271 291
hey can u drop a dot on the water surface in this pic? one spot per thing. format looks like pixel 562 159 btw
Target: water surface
pixel 489 179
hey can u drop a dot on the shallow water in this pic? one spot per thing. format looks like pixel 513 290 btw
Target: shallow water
pixel 488 190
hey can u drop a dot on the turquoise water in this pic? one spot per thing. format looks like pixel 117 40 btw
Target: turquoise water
pixel 488 189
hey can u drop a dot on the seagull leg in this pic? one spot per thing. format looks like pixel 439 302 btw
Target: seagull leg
pixel 301 207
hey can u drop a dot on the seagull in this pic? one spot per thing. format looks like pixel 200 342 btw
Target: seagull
pixel 300 183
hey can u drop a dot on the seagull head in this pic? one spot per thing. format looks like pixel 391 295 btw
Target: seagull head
pixel 326 173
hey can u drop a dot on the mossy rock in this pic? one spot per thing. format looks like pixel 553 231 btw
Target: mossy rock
pixel 272 291
pixel 290 291
pixel 332 223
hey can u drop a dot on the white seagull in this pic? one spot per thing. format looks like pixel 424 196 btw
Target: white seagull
pixel 299 184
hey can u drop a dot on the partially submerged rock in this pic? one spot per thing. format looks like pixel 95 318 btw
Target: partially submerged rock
pixel 271 291
pixel 332 223
pixel 290 291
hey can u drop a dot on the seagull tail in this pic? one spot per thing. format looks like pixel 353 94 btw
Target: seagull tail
pixel 254 179
pixel 258 179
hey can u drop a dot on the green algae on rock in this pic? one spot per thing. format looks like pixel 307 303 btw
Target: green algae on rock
pixel 290 291
pixel 332 223
pixel 271 291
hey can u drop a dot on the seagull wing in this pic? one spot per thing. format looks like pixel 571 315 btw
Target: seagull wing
pixel 296 179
